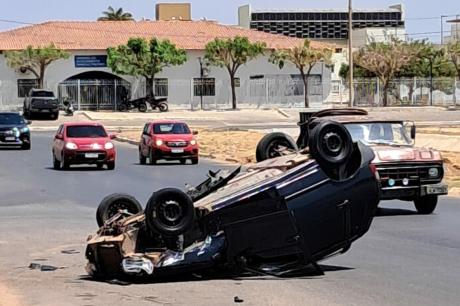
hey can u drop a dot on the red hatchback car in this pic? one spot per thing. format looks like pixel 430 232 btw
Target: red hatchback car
pixel 83 143
pixel 169 140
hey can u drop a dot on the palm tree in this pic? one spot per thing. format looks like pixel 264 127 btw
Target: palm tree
pixel 112 15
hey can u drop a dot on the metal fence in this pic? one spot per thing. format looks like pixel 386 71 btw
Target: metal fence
pixel 368 92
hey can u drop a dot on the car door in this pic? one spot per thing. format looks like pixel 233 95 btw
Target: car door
pixel 145 140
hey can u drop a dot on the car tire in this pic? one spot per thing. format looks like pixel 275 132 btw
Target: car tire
pixel 111 204
pixel 152 159
pixel 330 144
pixel 99 166
pixel 54 115
pixel 269 146
pixel 169 212
pixel 56 163
pixel 195 160
pixel 26 146
pixel 426 205
pixel 63 164
pixel 142 107
pixel 163 107
pixel 111 165
pixel 142 158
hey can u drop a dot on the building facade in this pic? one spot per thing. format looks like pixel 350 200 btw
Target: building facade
pixel 86 79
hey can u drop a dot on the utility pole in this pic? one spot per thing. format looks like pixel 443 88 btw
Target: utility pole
pixel 442 29
pixel 350 53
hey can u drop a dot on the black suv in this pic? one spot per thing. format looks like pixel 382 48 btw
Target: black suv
pixel 41 101
pixel 14 131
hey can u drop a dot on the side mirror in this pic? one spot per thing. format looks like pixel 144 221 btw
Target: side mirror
pixel 59 136
pixel 195 132
pixel 112 136
pixel 28 122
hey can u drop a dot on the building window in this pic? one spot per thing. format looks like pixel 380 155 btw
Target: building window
pixel 204 87
pixel 161 87
pixel 25 85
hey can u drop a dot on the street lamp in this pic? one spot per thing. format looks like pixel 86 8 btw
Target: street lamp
pixel 200 60
pixel 350 52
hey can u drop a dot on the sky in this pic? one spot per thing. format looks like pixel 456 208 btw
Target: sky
pixel 421 15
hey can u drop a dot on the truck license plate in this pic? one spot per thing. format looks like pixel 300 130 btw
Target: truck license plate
pixel 91 155
pixel 436 190
pixel 10 138
pixel 177 150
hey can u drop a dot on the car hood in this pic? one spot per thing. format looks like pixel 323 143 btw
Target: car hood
pixel 395 153
pixel 7 127
pixel 174 137
pixel 89 141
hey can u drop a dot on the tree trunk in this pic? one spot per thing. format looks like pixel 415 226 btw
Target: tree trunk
pixel 305 85
pixel 385 93
pixel 41 77
pixel 149 87
pixel 232 84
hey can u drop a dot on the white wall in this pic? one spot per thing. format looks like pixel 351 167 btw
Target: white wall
pixel 180 78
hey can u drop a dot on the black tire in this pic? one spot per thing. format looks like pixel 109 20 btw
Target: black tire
pixel 63 164
pixel 56 163
pixel 111 204
pixel 54 116
pixel 142 158
pixel 183 161
pixel 142 107
pixel 169 212
pixel 99 166
pixel 26 146
pixel 123 107
pixel 163 107
pixel 269 146
pixel 195 160
pixel 426 205
pixel 330 144
pixel 111 165
pixel 152 159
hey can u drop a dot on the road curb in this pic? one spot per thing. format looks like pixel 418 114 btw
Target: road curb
pixel 282 113
pixel 127 140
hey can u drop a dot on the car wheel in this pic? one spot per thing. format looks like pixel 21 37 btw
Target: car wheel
pixel 426 205
pixel 142 159
pixel 152 160
pixel 26 146
pixel 194 160
pixel 274 145
pixel 142 107
pixel 63 164
pixel 56 163
pixel 113 203
pixel 111 165
pixel 163 107
pixel 330 144
pixel 169 212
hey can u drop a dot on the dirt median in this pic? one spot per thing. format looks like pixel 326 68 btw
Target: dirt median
pixel 8 297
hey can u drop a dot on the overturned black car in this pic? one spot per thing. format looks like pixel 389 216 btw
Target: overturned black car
pixel 273 217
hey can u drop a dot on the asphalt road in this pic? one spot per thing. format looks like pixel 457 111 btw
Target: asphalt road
pixel 405 259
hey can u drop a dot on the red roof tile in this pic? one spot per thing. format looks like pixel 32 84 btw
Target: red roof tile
pixel 99 35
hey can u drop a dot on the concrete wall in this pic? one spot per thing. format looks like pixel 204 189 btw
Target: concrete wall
pixel 180 80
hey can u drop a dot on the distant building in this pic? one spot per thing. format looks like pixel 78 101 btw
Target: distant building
pixel 330 25
pixel 173 11
pixel 454 31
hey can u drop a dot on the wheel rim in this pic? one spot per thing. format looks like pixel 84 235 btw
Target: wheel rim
pixel 116 208
pixel 276 148
pixel 333 143
pixel 170 212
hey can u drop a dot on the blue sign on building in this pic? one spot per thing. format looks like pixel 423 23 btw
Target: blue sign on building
pixel 90 61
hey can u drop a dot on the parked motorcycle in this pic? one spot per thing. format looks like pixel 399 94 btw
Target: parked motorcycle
pixel 68 107
pixel 141 104
pixel 161 103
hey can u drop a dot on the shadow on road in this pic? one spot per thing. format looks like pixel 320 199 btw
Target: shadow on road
pixel 78 169
pixel 307 273
pixel 387 212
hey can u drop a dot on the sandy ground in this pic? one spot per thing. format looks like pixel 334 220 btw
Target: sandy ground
pixel 8 297
pixel 238 146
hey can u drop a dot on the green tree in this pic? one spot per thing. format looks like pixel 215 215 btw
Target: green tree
pixel 304 58
pixel 231 54
pixel 385 60
pixel 112 15
pixel 35 60
pixel 453 51
pixel 140 57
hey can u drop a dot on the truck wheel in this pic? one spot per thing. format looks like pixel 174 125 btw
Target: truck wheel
pixel 330 144
pixel 152 159
pixel 426 205
pixel 273 145
pixel 169 212
pixel 113 203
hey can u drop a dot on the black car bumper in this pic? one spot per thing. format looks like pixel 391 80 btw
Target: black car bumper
pixel 11 140
pixel 412 192
pixel 160 154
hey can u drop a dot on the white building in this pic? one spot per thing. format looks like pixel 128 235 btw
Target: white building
pixel 87 80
